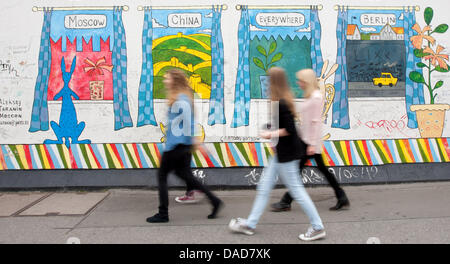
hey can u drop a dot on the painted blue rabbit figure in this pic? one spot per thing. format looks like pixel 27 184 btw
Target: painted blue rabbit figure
pixel 68 126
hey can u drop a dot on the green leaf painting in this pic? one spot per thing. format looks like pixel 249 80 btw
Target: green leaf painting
pixel 269 63
pixel 439 84
pixel 259 63
pixel 428 15
pixel 421 65
pixel 439 69
pixel 276 58
pixel 442 28
pixel 416 77
pixel 419 53
pixel 261 50
pixel 273 47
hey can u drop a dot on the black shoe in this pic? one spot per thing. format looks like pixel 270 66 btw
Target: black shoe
pixel 157 218
pixel 280 207
pixel 341 204
pixel 216 208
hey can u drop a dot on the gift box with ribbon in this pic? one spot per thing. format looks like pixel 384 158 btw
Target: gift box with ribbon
pixel 98 66
pixel 97 87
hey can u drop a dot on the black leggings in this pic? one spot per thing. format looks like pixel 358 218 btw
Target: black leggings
pixel 321 166
pixel 178 160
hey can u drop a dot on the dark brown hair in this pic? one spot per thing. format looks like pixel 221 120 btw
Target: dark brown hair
pixel 279 88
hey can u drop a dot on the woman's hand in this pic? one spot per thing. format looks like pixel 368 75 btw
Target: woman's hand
pixel 266 134
pixel 310 150
pixel 196 143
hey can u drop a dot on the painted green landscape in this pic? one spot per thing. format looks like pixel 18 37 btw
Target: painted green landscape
pixel 167 49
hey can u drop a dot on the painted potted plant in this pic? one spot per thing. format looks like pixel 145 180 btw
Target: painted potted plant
pixel 430 117
pixel 266 65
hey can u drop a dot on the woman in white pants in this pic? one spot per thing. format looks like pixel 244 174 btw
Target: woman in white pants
pixel 289 149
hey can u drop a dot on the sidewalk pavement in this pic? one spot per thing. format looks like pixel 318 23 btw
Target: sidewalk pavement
pixel 401 213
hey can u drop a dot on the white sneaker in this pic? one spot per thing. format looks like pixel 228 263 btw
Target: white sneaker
pixel 238 225
pixel 312 234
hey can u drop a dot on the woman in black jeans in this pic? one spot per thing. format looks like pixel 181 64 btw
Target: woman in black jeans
pixel 311 134
pixel 177 154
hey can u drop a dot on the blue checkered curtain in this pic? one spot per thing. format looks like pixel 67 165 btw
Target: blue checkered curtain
pixel 242 89
pixel 122 116
pixel 146 115
pixel 414 91
pixel 316 53
pixel 216 103
pixel 39 114
pixel 340 103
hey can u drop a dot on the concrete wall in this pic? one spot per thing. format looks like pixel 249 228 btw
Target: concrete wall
pixel 219 178
pixel 381 132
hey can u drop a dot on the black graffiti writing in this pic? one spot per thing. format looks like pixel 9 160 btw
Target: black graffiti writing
pixel 14 123
pixel 7 116
pixel 6 66
pixel 239 138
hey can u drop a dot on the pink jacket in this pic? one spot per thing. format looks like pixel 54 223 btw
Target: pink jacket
pixel 311 120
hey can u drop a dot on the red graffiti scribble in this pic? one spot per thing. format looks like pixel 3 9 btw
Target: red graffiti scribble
pixel 389 125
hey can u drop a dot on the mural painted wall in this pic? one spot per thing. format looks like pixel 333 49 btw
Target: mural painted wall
pixel 81 86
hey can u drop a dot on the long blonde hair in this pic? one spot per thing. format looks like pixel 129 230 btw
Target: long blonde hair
pixel 310 78
pixel 279 88
pixel 180 84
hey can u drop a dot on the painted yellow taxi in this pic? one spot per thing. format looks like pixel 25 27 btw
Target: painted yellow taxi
pixel 385 80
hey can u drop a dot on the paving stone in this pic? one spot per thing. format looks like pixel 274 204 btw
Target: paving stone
pixel 66 204
pixel 13 203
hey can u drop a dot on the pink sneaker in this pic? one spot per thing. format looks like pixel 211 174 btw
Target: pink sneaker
pixel 190 197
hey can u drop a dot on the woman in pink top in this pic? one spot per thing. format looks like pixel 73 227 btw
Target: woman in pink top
pixel 311 134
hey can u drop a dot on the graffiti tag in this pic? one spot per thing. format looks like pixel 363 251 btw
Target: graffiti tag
pixel 388 125
pixel 199 174
pixel 253 177
pixel 6 66
pixel 239 139
pixel 311 176
pixel 369 173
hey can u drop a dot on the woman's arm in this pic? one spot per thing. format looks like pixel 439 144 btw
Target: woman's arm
pixel 286 124
pixel 314 126
pixel 277 133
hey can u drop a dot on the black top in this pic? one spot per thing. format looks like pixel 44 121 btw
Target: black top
pixel 289 147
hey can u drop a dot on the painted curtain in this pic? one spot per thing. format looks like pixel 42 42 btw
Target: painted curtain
pixel 39 114
pixel 414 91
pixel 146 114
pixel 96 38
pixel 188 40
pixel 287 38
pixel 242 87
pixel 316 34
pixel 340 103
pixel 216 106
pixel 122 117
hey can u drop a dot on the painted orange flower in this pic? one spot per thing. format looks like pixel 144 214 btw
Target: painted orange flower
pixel 436 57
pixel 417 40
